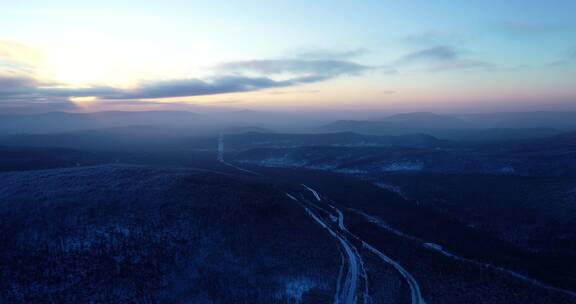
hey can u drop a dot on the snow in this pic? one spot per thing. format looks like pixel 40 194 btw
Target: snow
pixel 296 288
pixel 433 246
pixel 403 166
pixel 414 287
pixel 441 250
pixel 393 188
pixel 316 195
pixel 348 292
pixel 508 169
pixel 382 224
pixel 351 171
pixel 438 248
pixel 291 197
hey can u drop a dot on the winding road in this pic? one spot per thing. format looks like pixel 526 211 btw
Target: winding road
pixel 352 284
pixel 416 294
pixel 348 285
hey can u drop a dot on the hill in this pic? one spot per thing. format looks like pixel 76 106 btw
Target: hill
pixel 133 234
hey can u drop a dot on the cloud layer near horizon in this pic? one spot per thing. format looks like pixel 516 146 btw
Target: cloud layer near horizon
pixel 230 77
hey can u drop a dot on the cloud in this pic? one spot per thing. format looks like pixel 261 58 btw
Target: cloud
pixel 320 54
pixel 228 101
pixel 18 58
pixel 310 91
pixel 438 52
pixel 314 69
pixel 529 28
pixel 17 52
pixel 431 38
pixel 14 99
pixel 434 54
pixel 242 76
pixel 17 87
pixel 232 77
pixel 567 58
pixel 441 58
pixel 277 93
pixel 18 71
pixel 229 77
pixel 16 82
pixel 460 64
pixel 301 92
pixel 198 87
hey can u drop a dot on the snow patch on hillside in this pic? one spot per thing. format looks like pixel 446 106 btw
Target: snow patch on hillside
pixel 295 289
pixel 393 188
pixel 351 171
pixel 403 165
pixel 508 170
pixel 283 161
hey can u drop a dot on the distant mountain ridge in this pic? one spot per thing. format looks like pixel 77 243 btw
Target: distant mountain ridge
pixel 65 121
pixel 343 139
pixel 488 126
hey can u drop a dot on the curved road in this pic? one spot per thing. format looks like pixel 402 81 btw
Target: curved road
pixel 348 285
pixel 415 291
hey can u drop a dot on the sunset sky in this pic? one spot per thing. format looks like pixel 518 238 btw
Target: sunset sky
pixel 325 54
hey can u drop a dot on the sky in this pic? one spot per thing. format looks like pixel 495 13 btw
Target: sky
pixel 385 55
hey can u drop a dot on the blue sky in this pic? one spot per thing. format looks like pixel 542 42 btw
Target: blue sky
pixel 288 54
